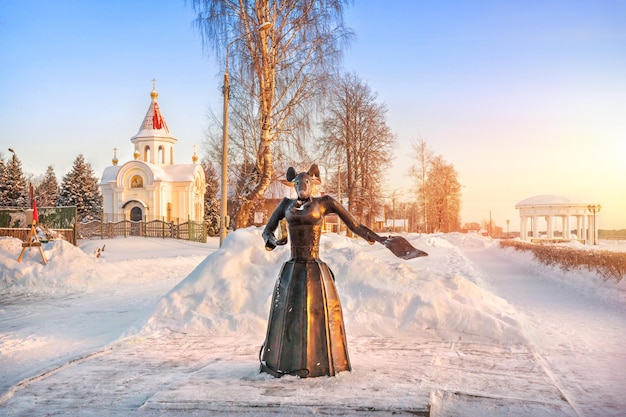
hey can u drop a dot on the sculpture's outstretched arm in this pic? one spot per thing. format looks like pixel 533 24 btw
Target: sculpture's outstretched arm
pixel 268 233
pixel 398 245
pixel 333 206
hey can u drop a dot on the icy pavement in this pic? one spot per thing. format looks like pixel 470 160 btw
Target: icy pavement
pixel 190 375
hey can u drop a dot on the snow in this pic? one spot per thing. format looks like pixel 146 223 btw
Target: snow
pixel 160 326
pixel 551 200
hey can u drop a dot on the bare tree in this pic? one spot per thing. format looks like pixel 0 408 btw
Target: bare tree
pixel 423 156
pixel 438 190
pixel 359 141
pixel 443 197
pixel 286 68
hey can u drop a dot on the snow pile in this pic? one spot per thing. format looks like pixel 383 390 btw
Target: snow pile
pixel 227 292
pixel 68 268
pixel 230 292
pixel 76 269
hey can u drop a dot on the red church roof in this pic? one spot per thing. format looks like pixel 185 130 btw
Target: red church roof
pixel 154 120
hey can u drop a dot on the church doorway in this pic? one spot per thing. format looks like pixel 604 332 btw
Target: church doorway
pixel 136 216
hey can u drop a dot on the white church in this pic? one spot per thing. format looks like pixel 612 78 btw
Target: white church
pixel 152 186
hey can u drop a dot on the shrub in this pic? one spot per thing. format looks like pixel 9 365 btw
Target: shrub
pixel 609 264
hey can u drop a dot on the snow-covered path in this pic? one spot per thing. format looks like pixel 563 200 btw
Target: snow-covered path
pixel 564 320
pixel 44 327
pixel 43 332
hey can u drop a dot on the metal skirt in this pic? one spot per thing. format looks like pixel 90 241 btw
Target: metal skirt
pixel 305 333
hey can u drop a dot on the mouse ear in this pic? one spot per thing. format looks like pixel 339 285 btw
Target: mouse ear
pixel 314 173
pixel 291 174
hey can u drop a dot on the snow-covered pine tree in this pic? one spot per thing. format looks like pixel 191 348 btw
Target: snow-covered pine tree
pixel 80 188
pixel 13 186
pixel 47 192
pixel 211 203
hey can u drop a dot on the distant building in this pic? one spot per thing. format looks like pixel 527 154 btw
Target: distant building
pixel 152 186
pixel 540 217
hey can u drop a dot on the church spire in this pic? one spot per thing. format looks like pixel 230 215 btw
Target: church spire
pixel 154 94
pixel 154 120
pixel 154 141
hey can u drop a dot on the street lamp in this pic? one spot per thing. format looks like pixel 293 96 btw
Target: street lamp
pixel 226 91
pixel 594 209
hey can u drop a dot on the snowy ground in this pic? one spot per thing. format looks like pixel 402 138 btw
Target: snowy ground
pixel 164 327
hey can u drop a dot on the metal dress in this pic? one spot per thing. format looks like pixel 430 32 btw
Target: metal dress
pixel 305 333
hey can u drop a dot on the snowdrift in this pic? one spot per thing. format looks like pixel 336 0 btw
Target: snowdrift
pixel 74 269
pixel 230 292
pixel 68 268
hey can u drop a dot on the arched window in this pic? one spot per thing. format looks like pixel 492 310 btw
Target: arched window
pixel 136 182
pixel 146 154
pixel 161 156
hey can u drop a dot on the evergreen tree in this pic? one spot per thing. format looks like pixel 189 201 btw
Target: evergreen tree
pixel 13 187
pixel 211 203
pixel 80 188
pixel 47 192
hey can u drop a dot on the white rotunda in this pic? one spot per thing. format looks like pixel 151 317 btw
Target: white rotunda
pixel 548 210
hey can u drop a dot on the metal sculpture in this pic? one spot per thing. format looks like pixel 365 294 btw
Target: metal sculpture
pixel 305 333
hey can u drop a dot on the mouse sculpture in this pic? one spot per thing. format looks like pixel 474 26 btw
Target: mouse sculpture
pixel 305 332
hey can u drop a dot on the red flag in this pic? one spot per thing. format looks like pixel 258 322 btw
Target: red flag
pixel 35 212
pixel 157 123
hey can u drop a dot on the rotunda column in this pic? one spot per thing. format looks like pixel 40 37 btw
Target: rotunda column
pixel 549 230
pixel 535 227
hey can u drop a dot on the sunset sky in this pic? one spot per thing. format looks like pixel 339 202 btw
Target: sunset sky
pixel 522 97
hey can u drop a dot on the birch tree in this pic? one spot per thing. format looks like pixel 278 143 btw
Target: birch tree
pixel 286 67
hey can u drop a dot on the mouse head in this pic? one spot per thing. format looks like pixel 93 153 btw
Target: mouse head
pixel 304 181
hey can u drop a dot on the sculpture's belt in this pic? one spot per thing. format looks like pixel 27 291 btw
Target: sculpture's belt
pixel 305 241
